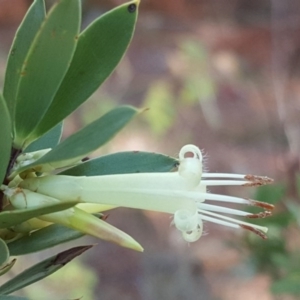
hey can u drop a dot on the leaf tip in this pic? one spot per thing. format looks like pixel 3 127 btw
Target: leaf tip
pixel 66 256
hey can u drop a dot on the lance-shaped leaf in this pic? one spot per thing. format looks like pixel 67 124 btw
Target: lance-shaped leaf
pixel 124 163
pixel 85 141
pixel 19 49
pixel 44 238
pixel 6 139
pixel 42 269
pixel 45 66
pixel 4 253
pixel 48 140
pixel 13 217
pixel 100 48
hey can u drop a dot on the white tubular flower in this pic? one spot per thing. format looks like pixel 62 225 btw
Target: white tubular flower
pixel 181 193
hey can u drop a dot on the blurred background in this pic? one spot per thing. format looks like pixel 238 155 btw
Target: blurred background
pixel 224 75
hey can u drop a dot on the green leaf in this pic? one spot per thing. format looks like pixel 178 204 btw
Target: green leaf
pixel 45 66
pixel 88 139
pixel 124 163
pixel 42 269
pixel 4 253
pixel 6 139
pixel 5 297
pixel 13 217
pixel 44 238
pixel 48 140
pixel 21 44
pixel 100 48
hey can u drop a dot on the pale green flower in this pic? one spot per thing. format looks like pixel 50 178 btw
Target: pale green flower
pixel 183 194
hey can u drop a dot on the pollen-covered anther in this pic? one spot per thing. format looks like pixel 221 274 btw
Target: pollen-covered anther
pixel 261 204
pixel 257 180
pixel 260 215
pixel 254 230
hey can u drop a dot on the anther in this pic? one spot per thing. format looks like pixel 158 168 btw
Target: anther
pixel 257 180
pixel 254 230
pixel 260 215
pixel 261 204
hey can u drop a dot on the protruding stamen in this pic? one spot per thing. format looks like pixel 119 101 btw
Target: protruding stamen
pixel 255 230
pixel 224 198
pixel 260 215
pixel 228 179
pixel 220 182
pixel 222 209
pixel 223 175
pixel 261 204
pixel 231 220
pixel 218 221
